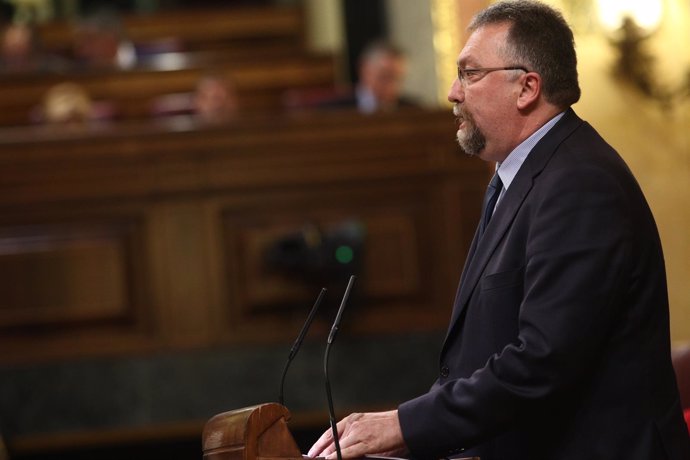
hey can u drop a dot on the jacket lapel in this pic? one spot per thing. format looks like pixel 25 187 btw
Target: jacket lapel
pixel 483 248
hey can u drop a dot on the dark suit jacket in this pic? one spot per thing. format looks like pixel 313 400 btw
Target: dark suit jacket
pixel 558 346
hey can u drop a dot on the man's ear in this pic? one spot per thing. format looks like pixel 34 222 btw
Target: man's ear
pixel 530 90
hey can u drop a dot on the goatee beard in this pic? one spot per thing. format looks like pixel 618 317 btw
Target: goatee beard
pixel 470 139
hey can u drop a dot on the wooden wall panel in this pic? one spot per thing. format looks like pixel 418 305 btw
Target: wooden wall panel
pixel 391 242
pixel 138 238
pixel 73 283
pixel 54 275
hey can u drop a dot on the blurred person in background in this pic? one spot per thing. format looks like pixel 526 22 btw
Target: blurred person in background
pixel 381 73
pixel 215 98
pixel 18 48
pixel 69 103
pixel 66 103
pixel 17 42
pixel 21 51
pixel 100 41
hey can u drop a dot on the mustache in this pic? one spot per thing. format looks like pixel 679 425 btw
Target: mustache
pixel 457 111
pixel 460 113
pixel 471 139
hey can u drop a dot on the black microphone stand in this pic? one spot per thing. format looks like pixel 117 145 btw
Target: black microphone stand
pixel 331 338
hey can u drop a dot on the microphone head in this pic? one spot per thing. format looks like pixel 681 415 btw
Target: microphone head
pixel 298 342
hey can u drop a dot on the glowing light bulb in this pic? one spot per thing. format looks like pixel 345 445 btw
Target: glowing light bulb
pixel 645 13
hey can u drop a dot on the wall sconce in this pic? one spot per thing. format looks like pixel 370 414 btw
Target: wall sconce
pixel 645 13
pixel 629 25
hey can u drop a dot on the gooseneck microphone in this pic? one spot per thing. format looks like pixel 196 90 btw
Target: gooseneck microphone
pixel 331 338
pixel 298 343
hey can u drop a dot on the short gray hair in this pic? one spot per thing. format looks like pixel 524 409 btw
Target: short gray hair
pixel 541 40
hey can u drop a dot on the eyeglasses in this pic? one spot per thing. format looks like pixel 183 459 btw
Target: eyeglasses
pixel 467 76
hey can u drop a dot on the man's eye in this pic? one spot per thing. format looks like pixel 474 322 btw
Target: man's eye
pixel 472 74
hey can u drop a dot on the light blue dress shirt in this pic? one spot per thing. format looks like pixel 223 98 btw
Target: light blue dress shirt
pixel 508 169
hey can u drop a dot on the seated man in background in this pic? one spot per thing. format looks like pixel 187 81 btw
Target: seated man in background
pixel 17 48
pixel 214 99
pixel 69 103
pixel 66 103
pixel 382 69
pixel 21 49
pixel 100 41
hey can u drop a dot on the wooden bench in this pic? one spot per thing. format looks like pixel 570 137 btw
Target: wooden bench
pixel 260 50
pixel 260 85
pixel 199 29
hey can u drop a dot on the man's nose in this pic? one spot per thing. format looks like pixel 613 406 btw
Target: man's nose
pixel 456 92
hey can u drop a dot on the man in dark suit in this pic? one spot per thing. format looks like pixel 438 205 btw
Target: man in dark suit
pixel 558 346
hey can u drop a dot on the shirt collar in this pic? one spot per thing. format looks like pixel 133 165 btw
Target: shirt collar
pixel 508 169
pixel 366 102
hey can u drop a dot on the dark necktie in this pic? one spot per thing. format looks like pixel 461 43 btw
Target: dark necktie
pixel 492 193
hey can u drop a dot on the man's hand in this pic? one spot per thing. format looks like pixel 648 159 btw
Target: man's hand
pixel 375 433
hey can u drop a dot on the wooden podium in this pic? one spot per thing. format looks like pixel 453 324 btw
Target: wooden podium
pixel 257 433
pixel 252 433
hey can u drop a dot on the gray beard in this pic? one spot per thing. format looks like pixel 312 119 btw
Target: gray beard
pixel 472 141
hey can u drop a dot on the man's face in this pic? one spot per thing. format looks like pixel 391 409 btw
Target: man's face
pixel 485 104
pixel 383 74
pixel 214 98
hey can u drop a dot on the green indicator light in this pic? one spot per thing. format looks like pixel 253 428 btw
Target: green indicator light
pixel 344 254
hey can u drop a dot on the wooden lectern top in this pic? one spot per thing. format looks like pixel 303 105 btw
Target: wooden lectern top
pixel 252 433
pixel 257 433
